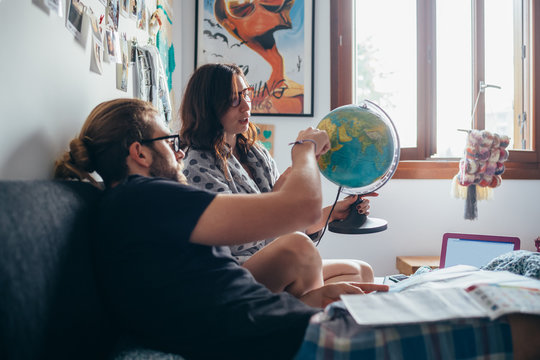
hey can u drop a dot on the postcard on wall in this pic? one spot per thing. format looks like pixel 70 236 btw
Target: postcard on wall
pixel 113 14
pixel 133 7
pixel 142 15
pixel 121 77
pixel 74 19
pixel 55 6
pixel 111 47
pixel 122 68
pixel 132 45
pixel 97 54
pixel 124 6
pixel 124 49
pixel 96 28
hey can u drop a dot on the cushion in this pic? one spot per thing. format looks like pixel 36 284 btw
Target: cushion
pixel 49 304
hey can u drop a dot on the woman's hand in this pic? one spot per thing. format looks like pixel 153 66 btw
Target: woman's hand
pixel 327 294
pixel 343 207
pixel 341 211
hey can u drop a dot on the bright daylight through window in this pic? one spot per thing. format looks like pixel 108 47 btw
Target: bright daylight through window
pixel 439 68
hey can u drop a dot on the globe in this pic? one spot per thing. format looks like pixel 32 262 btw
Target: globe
pixel 364 153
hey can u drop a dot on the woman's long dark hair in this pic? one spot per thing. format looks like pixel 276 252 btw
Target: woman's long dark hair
pixel 206 98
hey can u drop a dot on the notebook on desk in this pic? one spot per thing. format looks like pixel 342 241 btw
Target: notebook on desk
pixel 475 250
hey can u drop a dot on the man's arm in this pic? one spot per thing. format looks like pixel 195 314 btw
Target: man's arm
pixel 241 218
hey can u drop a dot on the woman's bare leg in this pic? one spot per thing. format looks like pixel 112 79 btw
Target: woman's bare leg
pixel 337 270
pixel 289 263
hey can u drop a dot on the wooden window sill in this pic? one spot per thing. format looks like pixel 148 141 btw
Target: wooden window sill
pixel 447 169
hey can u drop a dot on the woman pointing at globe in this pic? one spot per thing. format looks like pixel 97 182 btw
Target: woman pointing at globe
pixel 222 155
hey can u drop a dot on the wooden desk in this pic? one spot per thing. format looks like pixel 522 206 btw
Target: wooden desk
pixel 409 264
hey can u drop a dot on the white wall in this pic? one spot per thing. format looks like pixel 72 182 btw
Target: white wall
pixel 47 91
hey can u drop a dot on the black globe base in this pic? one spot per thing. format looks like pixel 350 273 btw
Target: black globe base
pixel 371 225
pixel 357 223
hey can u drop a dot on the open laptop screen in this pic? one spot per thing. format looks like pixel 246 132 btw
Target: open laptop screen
pixel 475 250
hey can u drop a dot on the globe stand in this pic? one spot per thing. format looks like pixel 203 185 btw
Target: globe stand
pixel 356 223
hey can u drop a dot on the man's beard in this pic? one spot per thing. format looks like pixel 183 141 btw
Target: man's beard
pixel 160 168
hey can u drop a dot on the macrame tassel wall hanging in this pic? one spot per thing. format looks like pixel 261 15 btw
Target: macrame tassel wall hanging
pixel 480 169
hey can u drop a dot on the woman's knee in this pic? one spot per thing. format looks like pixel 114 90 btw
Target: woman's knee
pixel 347 270
pixel 300 248
pixel 363 270
pixel 366 272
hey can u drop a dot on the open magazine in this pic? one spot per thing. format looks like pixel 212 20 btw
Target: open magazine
pixel 452 293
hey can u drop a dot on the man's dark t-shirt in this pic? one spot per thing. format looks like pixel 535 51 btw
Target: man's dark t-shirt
pixel 176 296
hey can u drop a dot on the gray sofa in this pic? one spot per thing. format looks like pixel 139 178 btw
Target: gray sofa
pixel 50 305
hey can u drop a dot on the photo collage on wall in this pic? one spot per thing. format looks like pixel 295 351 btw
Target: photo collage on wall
pixel 118 28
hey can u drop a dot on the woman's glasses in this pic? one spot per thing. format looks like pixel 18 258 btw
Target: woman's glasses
pixel 246 94
pixel 240 9
pixel 173 140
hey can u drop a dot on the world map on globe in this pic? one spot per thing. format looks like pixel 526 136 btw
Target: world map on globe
pixel 363 149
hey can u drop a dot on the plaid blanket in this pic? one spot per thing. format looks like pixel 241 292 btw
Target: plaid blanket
pixel 333 334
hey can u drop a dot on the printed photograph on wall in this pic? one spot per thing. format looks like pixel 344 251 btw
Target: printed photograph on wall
pixel 113 14
pixel 124 8
pixel 74 18
pixel 122 68
pixel 54 6
pixel 96 28
pixel 142 15
pixel 272 41
pixel 97 54
pixel 111 47
pixel 133 9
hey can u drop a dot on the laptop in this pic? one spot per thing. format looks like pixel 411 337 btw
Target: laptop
pixel 475 250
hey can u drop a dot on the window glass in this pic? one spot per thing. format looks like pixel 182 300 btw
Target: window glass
pixel 454 75
pixel 500 62
pixel 385 61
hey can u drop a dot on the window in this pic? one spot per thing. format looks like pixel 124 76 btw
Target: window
pixel 430 63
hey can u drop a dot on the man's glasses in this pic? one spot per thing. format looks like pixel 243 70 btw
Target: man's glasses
pixel 240 9
pixel 246 94
pixel 173 140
